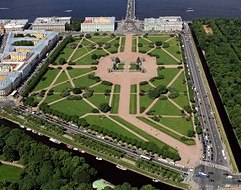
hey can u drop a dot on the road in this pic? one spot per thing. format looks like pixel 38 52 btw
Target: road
pixel 214 154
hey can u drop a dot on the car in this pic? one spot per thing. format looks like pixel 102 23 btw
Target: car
pixel 210 172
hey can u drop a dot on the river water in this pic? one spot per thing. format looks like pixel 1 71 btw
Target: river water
pixel 106 170
pixel 144 8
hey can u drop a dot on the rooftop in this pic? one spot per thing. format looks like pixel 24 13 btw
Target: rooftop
pixel 164 20
pixel 8 23
pixel 99 20
pixel 51 20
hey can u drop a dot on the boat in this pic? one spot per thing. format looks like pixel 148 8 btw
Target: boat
pixel 82 151
pixel 54 140
pixel 22 126
pixel 75 149
pixel 40 134
pixel 121 167
pixel 68 11
pixel 34 131
pixel 189 10
pixel 28 129
pixel 98 158
pixel 69 146
pixel 155 180
pixel 4 8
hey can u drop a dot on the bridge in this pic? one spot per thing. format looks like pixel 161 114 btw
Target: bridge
pixel 131 10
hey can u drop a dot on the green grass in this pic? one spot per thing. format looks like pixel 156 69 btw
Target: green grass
pixel 145 101
pixel 101 88
pixel 134 44
pixel 110 125
pixel 145 45
pixel 85 60
pixel 168 74
pixel 142 133
pixel 66 53
pixel 115 103
pixel 52 98
pixel 112 43
pixel 145 87
pixel 50 75
pixel 165 107
pixel 155 38
pixel 72 107
pixel 168 132
pixel 133 88
pixel 123 41
pixel 62 77
pixel 164 58
pixel 97 99
pixel 78 53
pixel 180 83
pixel 60 88
pixel 84 82
pixel 78 72
pixel 174 47
pixel 117 88
pixel 133 104
pixel 181 125
pixel 9 173
pixel 181 100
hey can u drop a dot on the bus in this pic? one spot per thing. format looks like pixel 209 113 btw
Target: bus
pixel 145 157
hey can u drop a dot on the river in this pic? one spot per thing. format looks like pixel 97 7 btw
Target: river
pixel 144 8
pixel 106 170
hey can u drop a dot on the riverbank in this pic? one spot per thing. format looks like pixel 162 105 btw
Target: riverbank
pixel 20 121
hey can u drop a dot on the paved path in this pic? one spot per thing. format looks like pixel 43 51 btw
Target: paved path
pixel 12 164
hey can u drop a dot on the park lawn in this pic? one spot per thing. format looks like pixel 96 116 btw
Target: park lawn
pixel 133 104
pixel 115 103
pixel 96 38
pixel 132 67
pixel 66 53
pixel 101 88
pixel 98 99
pixel 78 72
pixel 50 75
pixel 182 100
pixel 133 88
pixel 60 88
pixel 164 58
pixel 9 173
pixel 110 125
pixel 155 38
pixel 134 44
pixel 86 43
pixel 180 84
pixel 78 53
pixel 145 101
pixel 117 88
pixel 85 60
pixel 99 52
pixel 72 107
pixel 145 87
pixel 62 77
pixel 142 133
pixel 174 51
pixel 84 82
pixel 52 98
pixel 145 43
pixel 181 125
pixel 102 39
pixel 165 107
pixel 168 73
pixel 123 41
pixel 112 43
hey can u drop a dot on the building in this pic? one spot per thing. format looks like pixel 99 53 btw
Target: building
pixel 163 24
pixel 98 24
pixel 51 23
pixel 18 61
pixel 13 25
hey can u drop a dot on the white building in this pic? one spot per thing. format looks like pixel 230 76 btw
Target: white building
pixel 13 25
pixel 98 24
pixel 17 62
pixel 163 24
pixel 51 23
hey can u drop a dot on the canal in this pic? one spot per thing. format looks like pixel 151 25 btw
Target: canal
pixel 106 170
pixel 234 145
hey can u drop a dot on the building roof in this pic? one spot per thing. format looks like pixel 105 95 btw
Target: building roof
pixel 166 20
pixel 8 23
pixel 51 21
pixel 99 20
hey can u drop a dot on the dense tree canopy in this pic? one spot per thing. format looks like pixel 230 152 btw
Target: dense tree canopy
pixel 222 49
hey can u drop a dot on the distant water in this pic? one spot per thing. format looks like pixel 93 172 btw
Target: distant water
pixel 145 8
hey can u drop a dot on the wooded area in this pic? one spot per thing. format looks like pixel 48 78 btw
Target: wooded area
pixel 223 55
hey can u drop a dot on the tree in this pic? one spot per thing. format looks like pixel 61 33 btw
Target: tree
pixel 77 90
pixel 198 130
pixel 158 43
pixel 62 61
pixel 190 133
pixel 104 107
pixel 148 187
